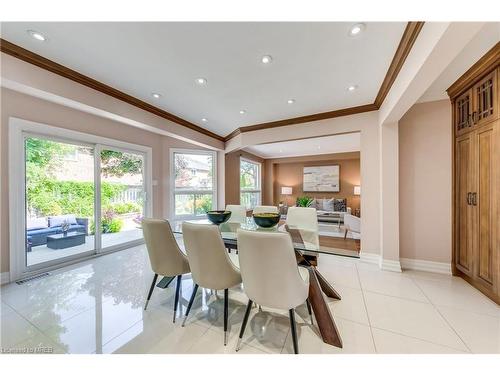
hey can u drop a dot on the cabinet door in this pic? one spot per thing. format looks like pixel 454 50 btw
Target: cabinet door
pixel 485 102
pixel 485 249
pixel 463 209
pixel 463 113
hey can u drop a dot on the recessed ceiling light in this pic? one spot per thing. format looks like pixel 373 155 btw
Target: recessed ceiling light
pixel 36 35
pixel 204 119
pixel 356 29
pixel 201 81
pixel 267 59
pixel 242 112
pixel 352 87
pixel 319 147
pixel 156 95
pixel 290 101
pixel 281 151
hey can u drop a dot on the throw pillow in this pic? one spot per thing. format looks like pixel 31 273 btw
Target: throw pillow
pixel 57 221
pixel 36 223
pixel 340 205
pixel 328 204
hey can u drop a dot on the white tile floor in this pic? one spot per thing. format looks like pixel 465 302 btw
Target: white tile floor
pixel 97 307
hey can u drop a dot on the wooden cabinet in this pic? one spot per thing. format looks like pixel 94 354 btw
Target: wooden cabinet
pixel 476 227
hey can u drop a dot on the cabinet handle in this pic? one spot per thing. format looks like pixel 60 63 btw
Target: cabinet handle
pixel 468 199
pixel 474 199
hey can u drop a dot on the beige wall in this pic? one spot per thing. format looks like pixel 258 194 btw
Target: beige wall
pixel 232 175
pixel 289 172
pixel 425 177
pixel 14 104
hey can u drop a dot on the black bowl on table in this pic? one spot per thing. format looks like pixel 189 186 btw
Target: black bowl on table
pixel 266 219
pixel 218 217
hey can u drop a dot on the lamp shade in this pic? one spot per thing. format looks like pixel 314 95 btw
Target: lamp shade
pixel 286 190
pixel 357 190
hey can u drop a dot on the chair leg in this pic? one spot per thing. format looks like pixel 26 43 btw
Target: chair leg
pixel 226 302
pixel 244 324
pixel 345 234
pixel 177 291
pixel 155 277
pixel 191 300
pixel 294 331
pixel 309 310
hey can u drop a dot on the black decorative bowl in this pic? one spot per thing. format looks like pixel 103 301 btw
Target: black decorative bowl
pixel 266 220
pixel 218 217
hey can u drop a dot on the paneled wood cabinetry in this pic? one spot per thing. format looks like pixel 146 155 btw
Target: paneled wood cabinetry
pixel 476 227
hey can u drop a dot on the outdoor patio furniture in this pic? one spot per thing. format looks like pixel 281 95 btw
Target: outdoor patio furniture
pixel 63 241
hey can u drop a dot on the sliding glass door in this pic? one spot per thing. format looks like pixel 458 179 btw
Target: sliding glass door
pixel 79 199
pixel 59 193
pixel 122 196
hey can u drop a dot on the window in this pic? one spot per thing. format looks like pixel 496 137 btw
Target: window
pixel 250 193
pixel 194 190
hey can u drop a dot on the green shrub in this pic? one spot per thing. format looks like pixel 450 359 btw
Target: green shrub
pixel 125 208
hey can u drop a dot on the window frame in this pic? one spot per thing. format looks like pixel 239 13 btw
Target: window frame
pixel 259 180
pixel 173 193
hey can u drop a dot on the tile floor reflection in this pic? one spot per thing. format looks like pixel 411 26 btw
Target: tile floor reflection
pixel 97 307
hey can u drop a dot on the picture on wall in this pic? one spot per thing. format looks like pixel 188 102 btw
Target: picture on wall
pixel 325 179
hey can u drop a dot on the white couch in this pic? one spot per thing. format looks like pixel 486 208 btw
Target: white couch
pixel 352 224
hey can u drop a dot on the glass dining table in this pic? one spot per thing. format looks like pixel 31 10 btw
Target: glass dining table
pixel 306 244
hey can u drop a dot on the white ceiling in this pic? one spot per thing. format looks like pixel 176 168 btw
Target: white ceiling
pixel 485 39
pixel 313 63
pixel 311 146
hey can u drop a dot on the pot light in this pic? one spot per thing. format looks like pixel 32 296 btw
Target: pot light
pixel 204 119
pixel 201 81
pixel 242 112
pixel 352 88
pixel 156 95
pixel 290 101
pixel 36 35
pixel 356 29
pixel 267 59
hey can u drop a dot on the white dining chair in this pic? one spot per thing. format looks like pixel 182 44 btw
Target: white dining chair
pixel 165 256
pixel 211 266
pixel 238 213
pixel 265 209
pixel 270 275
pixel 305 218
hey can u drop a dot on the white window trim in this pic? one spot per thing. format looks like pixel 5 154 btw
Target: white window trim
pixel 191 151
pixel 259 179
pixel 18 128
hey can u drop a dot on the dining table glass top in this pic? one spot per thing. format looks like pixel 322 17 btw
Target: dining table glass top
pixel 303 239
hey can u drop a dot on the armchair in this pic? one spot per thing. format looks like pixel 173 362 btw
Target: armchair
pixel 351 223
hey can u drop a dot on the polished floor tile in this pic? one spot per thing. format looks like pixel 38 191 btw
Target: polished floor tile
pixel 411 318
pixel 393 343
pixel 480 332
pixel 97 306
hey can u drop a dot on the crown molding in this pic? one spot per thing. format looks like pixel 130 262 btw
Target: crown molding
pixel 482 66
pixel 406 43
pixel 63 71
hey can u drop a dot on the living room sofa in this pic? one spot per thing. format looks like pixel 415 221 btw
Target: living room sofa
pixel 331 210
pixel 38 229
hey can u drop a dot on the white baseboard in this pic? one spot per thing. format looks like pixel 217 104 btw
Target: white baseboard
pixel 4 278
pixel 426 265
pixel 390 265
pixel 384 264
pixel 369 258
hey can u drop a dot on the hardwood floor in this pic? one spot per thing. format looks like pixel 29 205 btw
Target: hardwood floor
pixel 340 243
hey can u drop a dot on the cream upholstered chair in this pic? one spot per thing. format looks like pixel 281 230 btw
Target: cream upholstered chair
pixel 211 266
pixel 265 209
pixel 305 218
pixel 238 213
pixel 271 276
pixel 351 224
pixel 165 256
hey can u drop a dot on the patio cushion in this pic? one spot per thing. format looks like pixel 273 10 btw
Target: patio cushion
pixel 57 221
pixel 36 223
